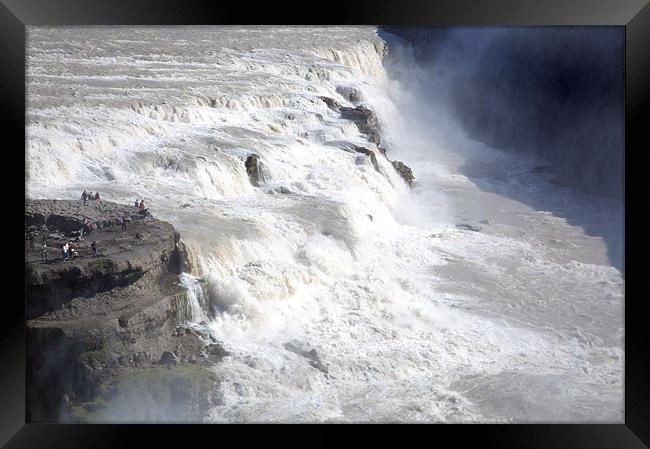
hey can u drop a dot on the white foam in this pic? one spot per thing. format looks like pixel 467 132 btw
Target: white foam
pixel 397 303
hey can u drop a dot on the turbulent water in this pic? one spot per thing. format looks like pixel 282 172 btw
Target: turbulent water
pixel 516 316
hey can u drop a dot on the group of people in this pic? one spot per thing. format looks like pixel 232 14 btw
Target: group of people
pixel 86 228
pixel 89 196
pixel 139 204
pixel 69 252
pixel 31 237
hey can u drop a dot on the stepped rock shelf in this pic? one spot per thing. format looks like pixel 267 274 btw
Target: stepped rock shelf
pixel 108 337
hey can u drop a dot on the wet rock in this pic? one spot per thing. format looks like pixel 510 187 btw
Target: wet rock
pixel 216 352
pixel 319 366
pixel 168 359
pixel 467 227
pixel 365 119
pixel 253 169
pixel 311 355
pixel 352 94
pixel 140 358
pixel 66 216
pixel 370 154
pixel 281 190
pixel 404 171
pixel 331 103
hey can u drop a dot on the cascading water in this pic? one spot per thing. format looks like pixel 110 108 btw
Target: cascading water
pixel 198 304
pixel 411 318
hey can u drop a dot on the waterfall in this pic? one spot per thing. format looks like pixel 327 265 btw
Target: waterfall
pixel 197 302
pixel 342 294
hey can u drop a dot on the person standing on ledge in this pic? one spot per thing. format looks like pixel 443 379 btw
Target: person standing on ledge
pixel 93 245
pixel 84 196
pixel 97 196
pixel 137 203
pixel 123 223
pixel 31 240
pixel 141 206
pixel 44 252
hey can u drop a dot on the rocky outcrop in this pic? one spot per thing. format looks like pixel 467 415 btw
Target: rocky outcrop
pixel 146 247
pixel 364 118
pixel 253 169
pixel 310 354
pixel 370 154
pixel 352 94
pixel 366 121
pixel 331 103
pixel 404 171
pixel 94 320
pixel 281 190
pixel 68 216
pixel 467 227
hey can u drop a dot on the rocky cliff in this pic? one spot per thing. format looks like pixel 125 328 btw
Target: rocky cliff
pixel 99 326
pixel 553 92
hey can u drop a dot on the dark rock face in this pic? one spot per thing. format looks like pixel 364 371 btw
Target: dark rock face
pixel 311 355
pixel 364 118
pixel 93 319
pixel 556 93
pixel 331 103
pixel 370 154
pixel 366 121
pixel 467 227
pixel 126 259
pixel 404 171
pixel 281 190
pixel 368 124
pixel 68 216
pixel 168 359
pixel 50 288
pixel 253 169
pixel 216 352
pixel 349 93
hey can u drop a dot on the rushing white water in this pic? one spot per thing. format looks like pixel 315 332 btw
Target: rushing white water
pixel 198 304
pixel 415 320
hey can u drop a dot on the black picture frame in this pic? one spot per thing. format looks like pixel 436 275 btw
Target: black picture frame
pixel 634 15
